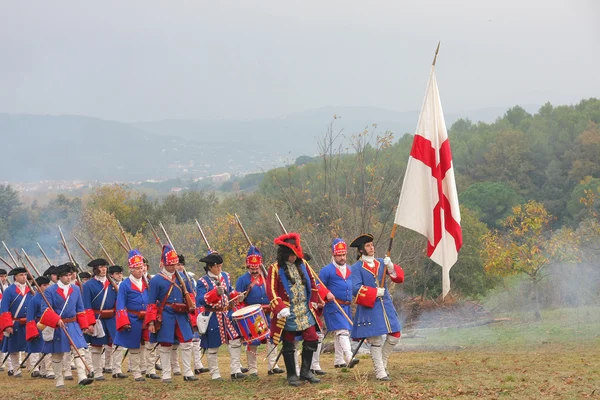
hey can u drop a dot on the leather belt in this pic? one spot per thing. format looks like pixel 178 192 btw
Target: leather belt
pixel 21 321
pixel 67 320
pixel 344 302
pixel 140 314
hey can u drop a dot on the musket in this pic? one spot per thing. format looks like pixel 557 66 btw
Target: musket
pixel 64 328
pixel 357 347
pixel 124 236
pixel 188 299
pixel 66 246
pixel 121 243
pixel 110 260
pixel 38 361
pixel 5 358
pixel 111 280
pixel 262 270
pixel 276 358
pixel 203 236
pixel 317 277
pixel 44 254
pixel 6 262
pixel 10 255
pixel 156 237
pixel 22 365
pixel 28 260
pixel 23 262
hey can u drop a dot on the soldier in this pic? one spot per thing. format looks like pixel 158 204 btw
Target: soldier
pixel 99 299
pixel 116 273
pixel 167 315
pixel 114 355
pixel 35 343
pixel 3 286
pixel 375 313
pixel 51 274
pixel 293 293
pixel 13 317
pixel 132 301
pixel 66 310
pixel 217 296
pixel 338 286
pixel 148 355
pixel 84 277
pixel 253 283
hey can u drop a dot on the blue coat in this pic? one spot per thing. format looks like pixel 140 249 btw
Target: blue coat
pixel 257 295
pixel 74 308
pixel 341 288
pixel 34 313
pixel 374 316
pixel 8 307
pixel 221 328
pixel 159 287
pixel 93 293
pixel 130 298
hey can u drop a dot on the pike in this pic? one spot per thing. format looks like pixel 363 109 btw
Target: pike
pixel 111 280
pixel 63 327
pixel 188 298
pixel 44 254
pixel 317 277
pixel 66 246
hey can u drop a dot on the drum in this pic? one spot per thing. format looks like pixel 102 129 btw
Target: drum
pixel 252 323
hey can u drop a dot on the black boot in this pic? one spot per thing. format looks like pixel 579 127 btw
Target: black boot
pixel 290 364
pixel 308 348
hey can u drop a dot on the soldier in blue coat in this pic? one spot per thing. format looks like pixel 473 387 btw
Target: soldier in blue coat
pixel 375 313
pixel 66 310
pixel 35 343
pixel 167 314
pixel 13 317
pixel 99 300
pixel 253 284
pixel 132 301
pixel 217 296
pixel 337 279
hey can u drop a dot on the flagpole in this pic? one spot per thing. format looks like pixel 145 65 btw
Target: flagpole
pixel 436 53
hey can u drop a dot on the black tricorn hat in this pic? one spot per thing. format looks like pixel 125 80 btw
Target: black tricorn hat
pixel 85 275
pixel 16 271
pixel 63 270
pixel 50 271
pixel 212 258
pixel 42 280
pixel 181 259
pixel 115 268
pixel 98 262
pixel 362 240
pixel 2 271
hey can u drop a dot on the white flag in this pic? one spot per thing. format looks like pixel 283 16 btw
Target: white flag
pixel 428 202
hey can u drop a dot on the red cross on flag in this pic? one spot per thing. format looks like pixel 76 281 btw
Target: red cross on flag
pixel 428 202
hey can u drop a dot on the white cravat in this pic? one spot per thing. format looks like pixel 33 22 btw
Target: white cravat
pixel 341 268
pixel 21 287
pixel 168 274
pixel 101 278
pixel 136 282
pixel 370 260
pixel 65 288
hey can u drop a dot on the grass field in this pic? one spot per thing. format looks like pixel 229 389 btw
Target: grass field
pixel 558 357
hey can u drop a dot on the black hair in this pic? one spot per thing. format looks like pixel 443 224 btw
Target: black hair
pixel 360 250
pixel 283 254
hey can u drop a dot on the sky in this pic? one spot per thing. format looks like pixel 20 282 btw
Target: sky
pixel 151 60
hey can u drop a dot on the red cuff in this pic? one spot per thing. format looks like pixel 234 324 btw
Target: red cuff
pixel 50 318
pixel 151 312
pixel 314 296
pixel 323 292
pixel 212 297
pixel 31 330
pixel 122 319
pixel 278 307
pixel 5 321
pixel 399 274
pixel 90 316
pixel 366 296
pixel 83 320
pixel 193 296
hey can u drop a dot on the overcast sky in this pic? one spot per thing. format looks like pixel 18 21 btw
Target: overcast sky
pixel 146 60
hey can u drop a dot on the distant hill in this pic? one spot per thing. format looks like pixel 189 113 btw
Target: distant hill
pixel 45 147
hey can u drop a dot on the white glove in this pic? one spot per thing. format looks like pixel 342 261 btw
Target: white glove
pixel 388 262
pixel 380 291
pixel 240 297
pixel 284 313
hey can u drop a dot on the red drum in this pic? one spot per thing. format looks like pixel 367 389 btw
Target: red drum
pixel 252 322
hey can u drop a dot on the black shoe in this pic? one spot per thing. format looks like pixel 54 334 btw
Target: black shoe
pixel 353 362
pixel 119 376
pixel 238 376
pixel 68 378
pixel 158 367
pixel 306 374
pixel 340 365
pixel 152 376
pixel 90 375
pixel 100 378
pixel 385 379
pixel 310 379
pixel 73 368
pixel 35 374
pixel 140 379
pixel 201 371
pixel 86 381
pixel 318 372
pixel 253 377
pixel 18 375
pixel 167 381
pixel 107 370
pixel 276 371
pixel 189 378
pixel 294 381
pixel 11 372
pixel 244 370
pixel 50 376
pixel 178 373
